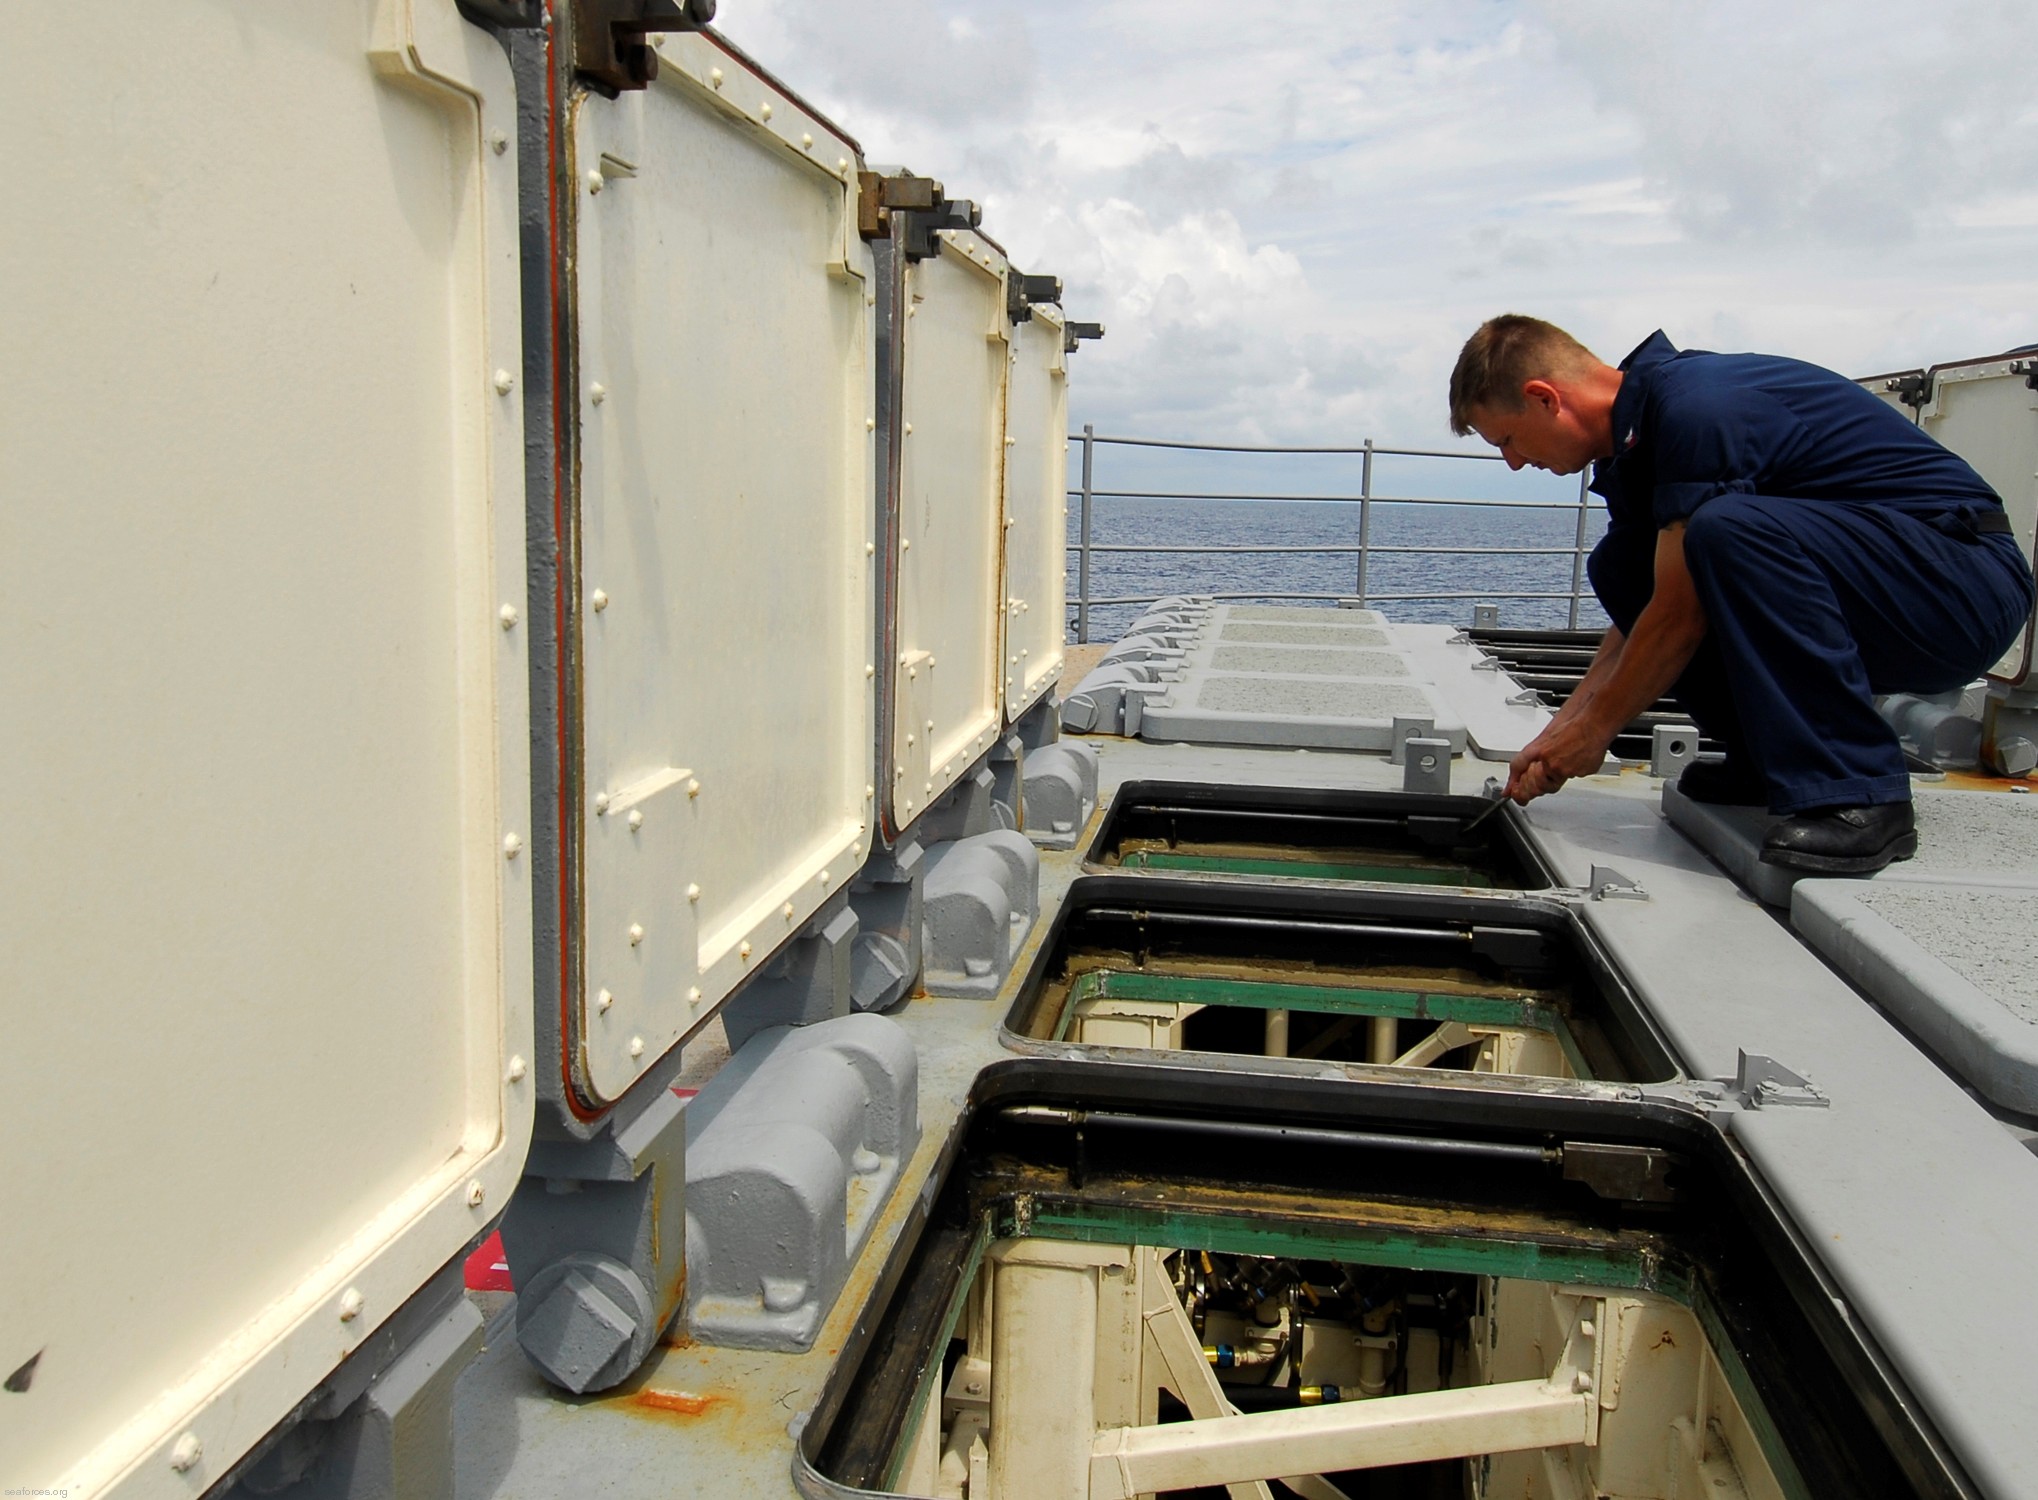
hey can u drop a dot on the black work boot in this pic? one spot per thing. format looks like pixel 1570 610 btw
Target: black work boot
pixel 1724 783
pixel 1843 840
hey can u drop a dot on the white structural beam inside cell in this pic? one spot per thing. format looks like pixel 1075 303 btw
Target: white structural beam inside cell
pixel 1424 1428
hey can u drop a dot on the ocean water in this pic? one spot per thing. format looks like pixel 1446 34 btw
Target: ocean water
pixel 1120 518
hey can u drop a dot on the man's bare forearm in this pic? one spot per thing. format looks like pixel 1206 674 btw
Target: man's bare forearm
pixel 1654 655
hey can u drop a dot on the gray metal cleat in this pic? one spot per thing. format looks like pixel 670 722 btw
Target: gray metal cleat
pixel 1674 747
pixel 1426 765
pixel 595 1240
pixel 808 980
pixel 775 1141
pixel 982 895
pixel 1061 793
pixel 887 899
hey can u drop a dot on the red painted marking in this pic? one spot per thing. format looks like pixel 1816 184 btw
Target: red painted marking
pixel 488 1268
pixel 686 1093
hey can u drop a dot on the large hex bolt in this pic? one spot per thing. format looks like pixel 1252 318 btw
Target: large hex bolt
pixel 586 1322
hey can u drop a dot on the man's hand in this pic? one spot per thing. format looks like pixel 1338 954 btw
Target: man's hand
pixel 1567 748
pixel 1627 675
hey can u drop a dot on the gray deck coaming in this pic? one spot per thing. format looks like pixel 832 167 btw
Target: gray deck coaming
pixel 1910 1192
pixel 1709 960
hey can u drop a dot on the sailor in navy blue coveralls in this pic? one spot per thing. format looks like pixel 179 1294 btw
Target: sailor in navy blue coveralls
pixel 1837 551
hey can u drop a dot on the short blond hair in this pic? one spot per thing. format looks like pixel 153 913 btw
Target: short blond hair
pixel 1505 354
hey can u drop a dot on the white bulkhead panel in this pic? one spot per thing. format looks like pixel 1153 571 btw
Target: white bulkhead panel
pixel 1036 510
pixel 265 933
pixel 1987 412
pixel 727 515
pixel 947 697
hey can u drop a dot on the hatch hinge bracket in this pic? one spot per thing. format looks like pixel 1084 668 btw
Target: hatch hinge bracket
pixel 1914 389
pixel 1073 334
pixel 1022 292
pixel 1761 1082
pixel 1605 883
pixel 610 50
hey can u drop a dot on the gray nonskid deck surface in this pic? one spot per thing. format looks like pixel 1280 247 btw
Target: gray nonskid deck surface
pixel 1969 833
pixel 1311 661
pixel 1954 959
pixel 1906 1188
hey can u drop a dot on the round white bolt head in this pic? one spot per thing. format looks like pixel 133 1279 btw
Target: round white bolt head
pixel 508 615
pixel 1581 1382
pixel 787 913
pixel 870 549
pixel 930 663
pixel 185 1453
pixel 636 819
pixel 715 77
pixel 597 393
pixel 693 893
pixel 823 879
pixel 498 141
pixel 807 139
pixel 930 726
pixel 517 1068
pixel 601 803
pixel 595 180
pixel 928 789
pixel 1011 442
pixel 693 995
pixel 636 1046
pixel 693 786
pixel 765 109
pixel 869 670
pixel 604 1000
pixel 600 600
pixel 869 791
pixel 636 933
pixel 910 740
pixel 351 1303
pixel 511 843
pixel 909 429
pixel 504 382
pixel 476 1194
pixel 744 951
pixel 842 164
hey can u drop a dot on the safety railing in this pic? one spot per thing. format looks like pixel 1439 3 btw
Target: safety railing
pixel 1362 548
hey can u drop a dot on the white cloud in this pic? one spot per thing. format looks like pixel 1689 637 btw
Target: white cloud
pixel 1290 219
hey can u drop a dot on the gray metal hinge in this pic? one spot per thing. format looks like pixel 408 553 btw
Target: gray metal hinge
pixel 609 49
pixel 1761 1082
pixel 1074 333
pixel 1022 292
pixel 1605 883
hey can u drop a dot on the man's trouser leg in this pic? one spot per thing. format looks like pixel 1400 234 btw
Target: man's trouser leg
pixel 1817 605
pixel 1623 573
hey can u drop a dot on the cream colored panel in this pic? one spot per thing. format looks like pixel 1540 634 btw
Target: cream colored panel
pixel 726 509
pixel 1036 511
pixel 267 951
pixel 951 510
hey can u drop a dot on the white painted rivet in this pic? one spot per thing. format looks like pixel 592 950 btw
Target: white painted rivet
pixel 787 911
pixel 869 791
pixel 764 109
pixel 636 1046
pixel 823 878
pixel 517 1068
pixel 693 788
pixel 597 393
pixel 1024 652
pixel 694 995
pixel 744 951
pixel 909 806
pixel 604 1000
pixel 870 549
pixel 909 429
pixel 902 658
pixel 636 933
pixel 693 893
pixel 870 424
pixel 906 545
pixel 600 601
pixel 930 663
pixel 869 670
pixel 929 788
pixel 842 164
pixel 930 726
pixel 594 180
pixel 186 1452
pixel 351 1303
pixel 510 845
pixel 807 140
pixel 498 141
pixel 910 740
pixel 508 615
pixel 601 803
pixel 715 77
pixel 476 1194
pixel 636 819
pixel 504 382
pixel 1011 442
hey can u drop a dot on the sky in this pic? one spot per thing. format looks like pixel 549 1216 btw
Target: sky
pixel 1289 216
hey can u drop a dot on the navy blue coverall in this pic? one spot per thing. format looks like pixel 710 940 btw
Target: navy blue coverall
pixel 1838 551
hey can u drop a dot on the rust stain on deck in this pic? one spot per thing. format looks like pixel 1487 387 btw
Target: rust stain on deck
pixel 674 1403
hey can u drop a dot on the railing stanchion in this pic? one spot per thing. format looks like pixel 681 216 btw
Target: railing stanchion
pixel 1365 516
pixel 1083 551
pixel 1578 543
